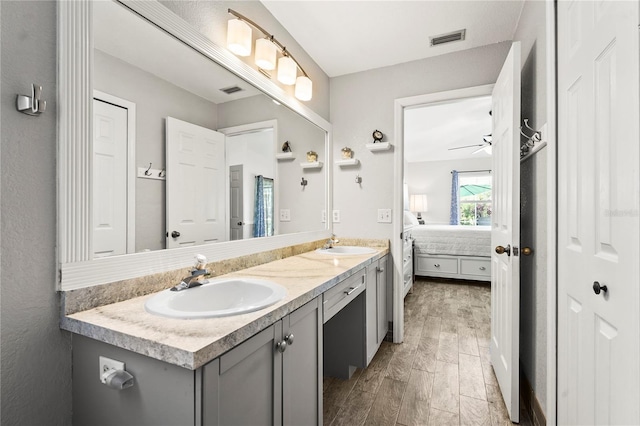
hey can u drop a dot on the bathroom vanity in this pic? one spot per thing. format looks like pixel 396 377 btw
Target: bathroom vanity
pixel 263 367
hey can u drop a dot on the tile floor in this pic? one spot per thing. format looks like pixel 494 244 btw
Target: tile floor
pixel 440 375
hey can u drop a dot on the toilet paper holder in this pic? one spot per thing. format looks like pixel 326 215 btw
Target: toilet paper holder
pixel 113 374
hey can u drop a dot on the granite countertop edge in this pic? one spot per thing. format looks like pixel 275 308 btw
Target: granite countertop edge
pixel 209 348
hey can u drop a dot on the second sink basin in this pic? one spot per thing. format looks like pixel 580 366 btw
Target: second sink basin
pixel 216 298
pixel 344 250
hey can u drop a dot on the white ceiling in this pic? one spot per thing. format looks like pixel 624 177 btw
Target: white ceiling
pixel 345 37
pixel 431 131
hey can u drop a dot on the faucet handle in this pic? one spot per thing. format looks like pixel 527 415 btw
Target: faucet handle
pixel 201 261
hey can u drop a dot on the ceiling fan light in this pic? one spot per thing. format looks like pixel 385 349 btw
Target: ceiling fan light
pixel 265 54
pixel 287 71
pixel 304 88
pixel 239 37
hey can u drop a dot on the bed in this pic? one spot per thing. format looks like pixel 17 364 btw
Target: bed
pixel 452 251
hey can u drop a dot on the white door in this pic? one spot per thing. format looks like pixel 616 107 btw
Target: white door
pixel 236 224
pixel 195 184
pixel 109 179
pixel 505 232
pixel 598 224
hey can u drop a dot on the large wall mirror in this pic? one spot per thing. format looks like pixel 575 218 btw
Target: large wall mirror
pixel 185 153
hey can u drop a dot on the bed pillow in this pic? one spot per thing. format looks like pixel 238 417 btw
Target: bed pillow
pixel 410 219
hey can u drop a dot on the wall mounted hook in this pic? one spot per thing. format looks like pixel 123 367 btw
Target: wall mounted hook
pixel 358 179
pixel 148 171
pixel 31 105
pixel 304 182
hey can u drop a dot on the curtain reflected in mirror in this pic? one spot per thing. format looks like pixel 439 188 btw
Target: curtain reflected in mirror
pixel 264 207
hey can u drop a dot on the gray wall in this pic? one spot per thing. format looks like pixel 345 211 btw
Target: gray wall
pixel 35 353
pixel 434 179
pixel 533 200
pixel 155 100
pixel 362 102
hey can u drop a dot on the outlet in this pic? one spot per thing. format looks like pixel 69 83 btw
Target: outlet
pixel 336 216
pixel 107 364
pixel 324 216
pixel 384 215
pixel 285 215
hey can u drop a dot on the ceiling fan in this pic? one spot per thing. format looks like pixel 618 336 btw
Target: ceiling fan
pixel 484 146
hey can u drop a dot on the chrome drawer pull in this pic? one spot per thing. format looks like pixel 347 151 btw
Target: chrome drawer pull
pixel 351 290
pixel 482 268
pixel 437 265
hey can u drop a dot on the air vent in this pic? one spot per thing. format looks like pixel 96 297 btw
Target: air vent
pixel 232 89
pixel 447 38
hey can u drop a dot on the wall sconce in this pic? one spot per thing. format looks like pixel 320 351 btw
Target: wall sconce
pixel 239 42
pixel 418 204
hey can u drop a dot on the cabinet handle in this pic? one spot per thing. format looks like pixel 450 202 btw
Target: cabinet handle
pixel 281 346
pixel 482 268
pixel 289 339
pixel 437 265
pixel 351 290
pixel 380 269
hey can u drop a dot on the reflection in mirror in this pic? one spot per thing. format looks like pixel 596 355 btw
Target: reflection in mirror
pixel 179 144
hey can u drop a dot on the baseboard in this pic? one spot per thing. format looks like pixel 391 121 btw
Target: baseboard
pixel 530 402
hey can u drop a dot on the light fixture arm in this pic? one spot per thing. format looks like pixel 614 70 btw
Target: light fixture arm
pixel 269 36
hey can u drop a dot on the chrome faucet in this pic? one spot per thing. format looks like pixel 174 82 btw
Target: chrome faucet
pixel 197 276
pixel 331 242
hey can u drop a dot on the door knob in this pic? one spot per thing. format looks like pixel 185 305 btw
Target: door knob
pixel 239 223
pixel 597 288
pixel 501 250
pixel 526 251
pixel 175 234
pixel 281 346
pixel 289 339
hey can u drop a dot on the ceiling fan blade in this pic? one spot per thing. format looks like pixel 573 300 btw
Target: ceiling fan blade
pixel 467 146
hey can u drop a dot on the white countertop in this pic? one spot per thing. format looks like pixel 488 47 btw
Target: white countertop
pixel 192 343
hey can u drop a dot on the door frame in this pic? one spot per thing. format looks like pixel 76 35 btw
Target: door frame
pixel 131 162
pixel 250 128
pixel 398 189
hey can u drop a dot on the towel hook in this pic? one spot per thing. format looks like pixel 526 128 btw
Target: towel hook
pixel 148 171
pixel 535 137
pixel 31 105
pixel 304 182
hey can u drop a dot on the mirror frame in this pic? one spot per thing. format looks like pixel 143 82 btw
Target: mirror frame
pixel 76 269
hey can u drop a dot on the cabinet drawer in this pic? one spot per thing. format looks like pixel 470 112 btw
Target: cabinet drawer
pixel 342 294
pixel 475 267
pixel 437 264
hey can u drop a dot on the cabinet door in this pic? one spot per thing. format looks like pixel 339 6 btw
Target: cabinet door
pixel 381 283
pixel 301 373
pixel 250 391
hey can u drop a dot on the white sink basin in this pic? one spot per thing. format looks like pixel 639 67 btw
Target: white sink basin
pixel 216 298
pixel 345 250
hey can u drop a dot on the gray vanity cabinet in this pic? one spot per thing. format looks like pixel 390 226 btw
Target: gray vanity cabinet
pixel 376 306
pixel 272 378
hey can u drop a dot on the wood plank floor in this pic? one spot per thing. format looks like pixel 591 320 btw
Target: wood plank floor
pixel 440 375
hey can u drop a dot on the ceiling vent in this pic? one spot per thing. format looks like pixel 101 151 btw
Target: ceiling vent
pixel 232 89
pixel 447 38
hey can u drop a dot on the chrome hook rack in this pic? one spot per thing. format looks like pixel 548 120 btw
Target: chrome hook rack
pixel 31 105
pixel 531 141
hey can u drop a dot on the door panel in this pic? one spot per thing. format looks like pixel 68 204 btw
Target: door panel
pixel 505 232
pixel 598 223
pixel 195 184
pixel 237 203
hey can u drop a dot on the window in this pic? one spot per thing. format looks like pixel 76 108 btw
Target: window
pixel 474 192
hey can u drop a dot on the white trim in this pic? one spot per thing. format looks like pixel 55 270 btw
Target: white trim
pixel 131 162
pixel 75 94
pixel 398 174
pixel 552 229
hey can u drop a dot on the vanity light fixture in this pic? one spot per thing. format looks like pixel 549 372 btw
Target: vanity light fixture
pixel 239 42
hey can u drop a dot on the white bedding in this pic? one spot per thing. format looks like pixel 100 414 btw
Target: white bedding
pixel 455 240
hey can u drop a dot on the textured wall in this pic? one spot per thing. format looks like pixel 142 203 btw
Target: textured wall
pixel 533 202
pixel 364 101
pixel 36 354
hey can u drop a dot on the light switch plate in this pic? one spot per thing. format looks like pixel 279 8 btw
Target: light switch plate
pixel 336 216
pixel 384 215
pixel 324 216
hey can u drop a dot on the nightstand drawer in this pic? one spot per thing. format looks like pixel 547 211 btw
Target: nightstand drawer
pixel 475 267
pixel 437 264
